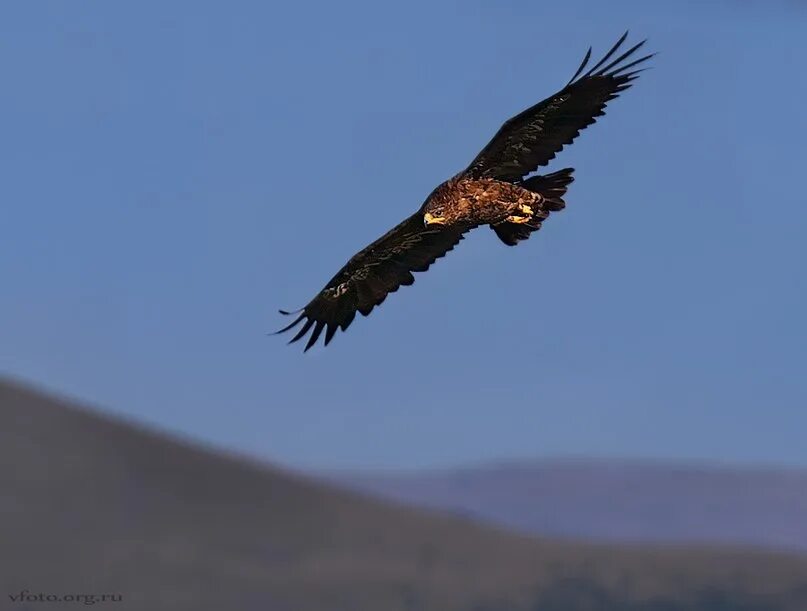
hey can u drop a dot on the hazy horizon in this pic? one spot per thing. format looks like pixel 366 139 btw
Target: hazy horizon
pixel 478 465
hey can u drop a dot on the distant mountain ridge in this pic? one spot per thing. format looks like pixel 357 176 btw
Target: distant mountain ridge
pixel 90 505
pixel 616 500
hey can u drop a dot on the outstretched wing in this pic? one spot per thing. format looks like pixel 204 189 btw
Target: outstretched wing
pixel 533 137
pixel 366 280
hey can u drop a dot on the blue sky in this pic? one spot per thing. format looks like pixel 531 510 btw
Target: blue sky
pixel 172 173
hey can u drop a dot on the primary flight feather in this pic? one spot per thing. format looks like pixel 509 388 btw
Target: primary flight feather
pixel 494 190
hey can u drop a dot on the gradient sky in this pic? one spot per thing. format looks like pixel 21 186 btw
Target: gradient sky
pixel 172 173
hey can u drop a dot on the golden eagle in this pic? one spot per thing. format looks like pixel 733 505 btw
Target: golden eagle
pixel 494 190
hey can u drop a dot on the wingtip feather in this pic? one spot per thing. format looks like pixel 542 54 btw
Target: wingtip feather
pixel 293 324
pixel 288 313
pixel 330 332
pixel 303 330
pixel 604 70
pixel 611 51
pixel 314 335
pixel 581 67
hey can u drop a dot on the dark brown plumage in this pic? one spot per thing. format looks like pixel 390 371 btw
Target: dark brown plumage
pixel 495 190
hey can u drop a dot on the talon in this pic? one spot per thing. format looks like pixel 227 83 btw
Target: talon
pixel 520 220
pixel 526 209
pixel 428 219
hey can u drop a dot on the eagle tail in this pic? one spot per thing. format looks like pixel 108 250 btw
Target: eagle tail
pixel 552 187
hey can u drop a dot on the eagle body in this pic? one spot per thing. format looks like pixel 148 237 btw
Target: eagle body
pixel 469 202
pixel 499 189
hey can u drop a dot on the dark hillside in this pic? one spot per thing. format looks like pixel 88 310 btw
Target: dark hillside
pixel 90 505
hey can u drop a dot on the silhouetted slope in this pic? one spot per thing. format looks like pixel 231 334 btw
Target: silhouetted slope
pixel 614 500
pixel 92 505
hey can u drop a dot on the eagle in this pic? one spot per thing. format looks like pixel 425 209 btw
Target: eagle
pixel 497 189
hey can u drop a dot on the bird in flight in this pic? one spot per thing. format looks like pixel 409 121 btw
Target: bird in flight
pixel 496 189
